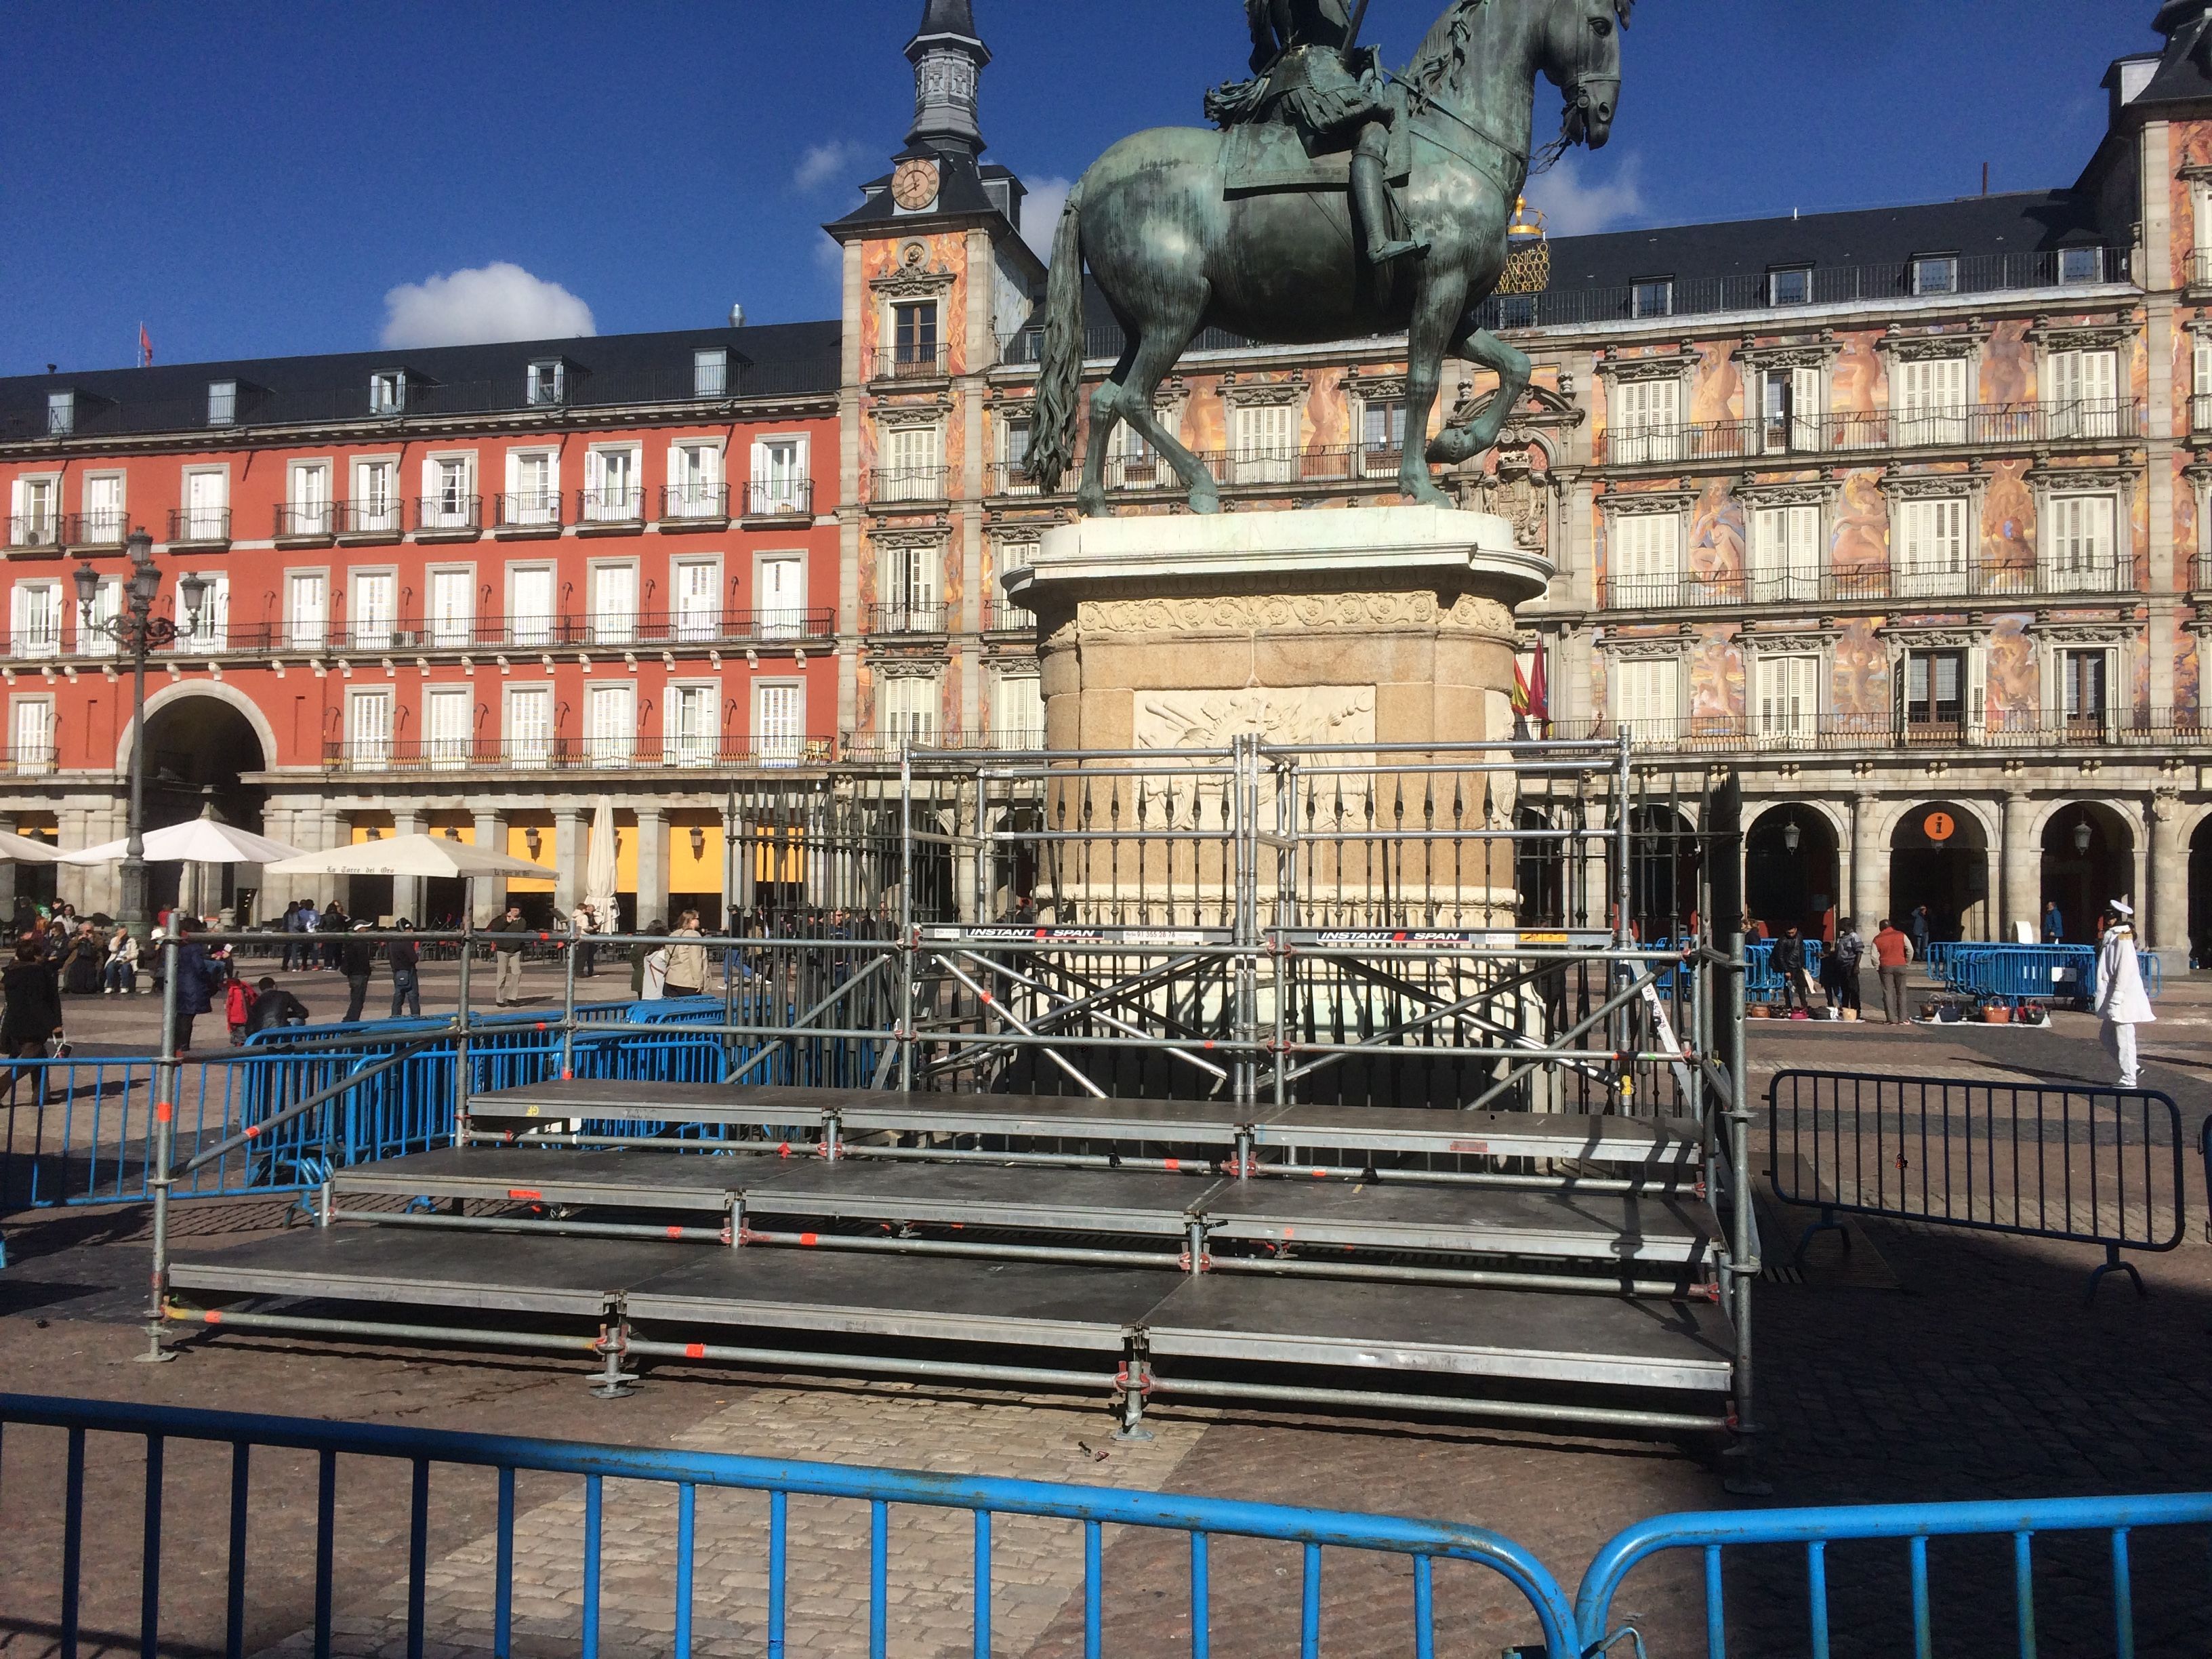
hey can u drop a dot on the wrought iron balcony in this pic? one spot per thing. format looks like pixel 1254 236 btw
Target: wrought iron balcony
pixel 1979 426
pixel 2143 731
pixel 695 503
pixel 103 527
pixel 373 519
pixel 1002 616
pixel 611 507
pixel 199 527
pixel 2200 412
pixel 27 531
pixel 1976 578
pixel 307 520
pixel 780 498
pixel 911 362
pixel 37 638
pixel 29 759
pixel 449 515
pixel 530 510
pixel 887 747
pixel 771 629
pixel 566 754
pixel 909 616
pixel 908 483
pixel 2200 268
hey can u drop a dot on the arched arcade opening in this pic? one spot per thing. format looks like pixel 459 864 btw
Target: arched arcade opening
pixel 1791 868
pixel 1940 859
pixel 199 751
pixel 2088 860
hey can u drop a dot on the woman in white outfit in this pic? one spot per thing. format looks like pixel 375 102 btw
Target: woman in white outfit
pixel 2122 1002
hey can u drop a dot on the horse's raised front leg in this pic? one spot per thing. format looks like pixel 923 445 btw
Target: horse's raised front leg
pixel 1162 347
pixel 1463 443
pixel 1437 312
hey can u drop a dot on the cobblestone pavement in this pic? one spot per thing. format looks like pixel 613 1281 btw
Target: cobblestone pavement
pixel 1930 1364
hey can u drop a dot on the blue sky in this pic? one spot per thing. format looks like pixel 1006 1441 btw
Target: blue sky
pixel 258 179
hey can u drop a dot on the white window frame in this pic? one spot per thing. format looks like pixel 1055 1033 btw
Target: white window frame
pixel 61 414
pixel 1007 734
pixel 434 513
pixel 1948 261
pixel 924 363
pixel 1644 288
pixel 1795 426
pixel 773 745
pixel 117 526
pixel 778 618
pixel 912 463
pixel 612 624
pixel 31 734
pixel 611 722
pixel 106 607
pixel 910 708
pixel 222 402
pixel 1928 414
pixel 775 494
pixel 610 503
pixel 1931 558
pixel 1786 701
pixel 1654 683
pixel 364 631
pixel 41 527
pixel 545 383
pixel 696 597
pixel 527 750
pixel 364 516
pixel 205 521
pixel 387 392
pixel 38 617
pixel 444 626
pixel 532 630
pixel 1644 566
pixel 682 741
pixel 444 750
pixel 1786 547
pixel 368 743
pixel 2071 262
pixel 913 577
pixel 210 632
pixel 305 513
pixel 1644 419
pixel 700 494
pixel 1776 277
pixel 2200 401
pixel 2074 559
pixel 1974 691
pixel 540 507
pixel 2083 399
pixel 1263 442
pixel 710 372
pixel 307 633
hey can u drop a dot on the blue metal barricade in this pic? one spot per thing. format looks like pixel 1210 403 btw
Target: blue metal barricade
pixel 2018 1524
pixel 1762 982
pixel 1546 1619
pixel 2042 973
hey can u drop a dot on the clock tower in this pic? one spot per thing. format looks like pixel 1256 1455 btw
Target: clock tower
pixel 948 58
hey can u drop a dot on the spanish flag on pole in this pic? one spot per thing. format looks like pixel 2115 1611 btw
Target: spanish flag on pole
pixel 1532 691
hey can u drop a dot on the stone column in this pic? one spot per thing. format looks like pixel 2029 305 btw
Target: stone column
pixel 407 891
pixel 2169 876
pixel 69 879
pixel 569 856
pixel 1869 866
pixel 491 891
pixel 2022 867
pixel 651 866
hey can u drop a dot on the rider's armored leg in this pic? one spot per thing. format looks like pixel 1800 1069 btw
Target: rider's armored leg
pixel 1370 197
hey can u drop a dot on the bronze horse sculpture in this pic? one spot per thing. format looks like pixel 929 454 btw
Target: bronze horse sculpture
pixel 1175 253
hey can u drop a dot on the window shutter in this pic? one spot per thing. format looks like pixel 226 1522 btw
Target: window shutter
pixel 1804 552
pixel 1978 692
pixel 777 736
pixel 1805 408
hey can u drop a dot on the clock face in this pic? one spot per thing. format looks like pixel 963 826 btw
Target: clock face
pixel 914 183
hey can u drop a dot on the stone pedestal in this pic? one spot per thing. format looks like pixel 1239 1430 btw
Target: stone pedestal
pixel 1360 628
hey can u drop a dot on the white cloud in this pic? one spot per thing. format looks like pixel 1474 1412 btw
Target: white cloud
pixel 491 303
pixel 824 164
pixel 1576 205
pixel 1041 212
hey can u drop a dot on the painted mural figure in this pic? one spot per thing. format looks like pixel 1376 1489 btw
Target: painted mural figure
pixel 1313 76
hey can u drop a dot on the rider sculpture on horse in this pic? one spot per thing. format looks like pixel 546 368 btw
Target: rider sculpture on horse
pixel 1314 76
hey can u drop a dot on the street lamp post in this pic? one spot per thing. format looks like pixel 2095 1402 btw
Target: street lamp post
pixel 138 630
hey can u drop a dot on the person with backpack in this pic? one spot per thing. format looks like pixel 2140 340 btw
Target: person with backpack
pixel 1848 950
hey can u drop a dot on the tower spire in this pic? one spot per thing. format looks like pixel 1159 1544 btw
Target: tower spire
pixel 948 57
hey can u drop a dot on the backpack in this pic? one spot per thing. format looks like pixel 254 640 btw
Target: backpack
pixel 238 1002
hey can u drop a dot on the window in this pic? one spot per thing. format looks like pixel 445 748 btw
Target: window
pixel 1013 474
pixel 1786 705
pixel 910 590
pixel 1647 424
pixel 533 488
pixel 222 402
pixel 1792 286
pixel 613 618
pixel 1263 443
pixel 37 520
pixel 530 725
pixel 375 498
pixel 373 610
pixel 1651 296
pixel 209 627
pixel 1792 407
pixel 710 373
pixel 1018 712
pixel 547 382
pixel 207 507
pixel 780 601
pixel 914 335
pixel 910 710
pixel 38 621
pixel 1931 554
pixel 307 509
pixel 1935 689
pixel 2081 555
pixel 449 501
pixel 93 638
pixel 368 730
pixel 2085 690
pixel 780 481
pixel 913 463
pixel 611 494
pixel 61 414
pixel 2084 396
pixel 694 482
pixel 31 733
pixel 453 608
pixel 697 585
pixel 1646 556
pixel 307 610
pixel 2081 264
pixel 1646 699
pixel 1132 463
pixel 1382 438
pixel 446 738
pixel 1935 273
pixel 1785 554
pixel 1931 401
pixel 103 524
pixel 779 722
pixel 387 392
pixel 2200 401
pixel 693 733
pixel 530 612
pixel 611 724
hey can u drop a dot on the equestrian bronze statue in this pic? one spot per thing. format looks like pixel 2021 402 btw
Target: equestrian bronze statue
pixel 1257 229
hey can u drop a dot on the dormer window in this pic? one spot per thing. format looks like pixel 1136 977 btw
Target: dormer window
pixel 387 392
pixel 1652 296
pixel 61 414
pixel 222 402
pixel 710 373
pixel 1935 273
pixel 548 382
pixel 2081 264
pixel 1790 286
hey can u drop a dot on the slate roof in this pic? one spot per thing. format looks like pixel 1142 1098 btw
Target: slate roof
pixel 2184 73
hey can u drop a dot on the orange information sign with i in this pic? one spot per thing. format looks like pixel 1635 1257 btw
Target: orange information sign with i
pixel 1940 826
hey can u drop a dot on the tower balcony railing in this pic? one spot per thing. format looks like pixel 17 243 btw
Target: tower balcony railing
pixel 1943 726
pixel 614 751
pixel 908 616
pixel 1973 578
pixel 1978 425
pixel 1002 616
pixel 908 483
pixel 2200 267
pixel 911 362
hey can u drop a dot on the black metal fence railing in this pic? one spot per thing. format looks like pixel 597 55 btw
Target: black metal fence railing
pixel 2200 268
pixel 611 506
pixel 27 530
pixel 1979 426
pixel 452 515
pixel 1003 616
pixel 601 630
pixel 103 527
pixel 372 518
pixel 1949 728
pixel 780 498
pixel 2084 1165
pixel 679 502
pixel 911 362
pixel 908 616
pixel 303 519
pixel 199 524
pixel 566 754
pixel 529 509
pixel 908 483
pixel 1976 578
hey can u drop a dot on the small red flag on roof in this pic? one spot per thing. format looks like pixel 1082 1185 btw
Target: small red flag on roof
pixel 145 347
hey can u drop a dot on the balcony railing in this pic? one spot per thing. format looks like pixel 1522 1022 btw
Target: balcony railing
pixel 34 530
pixel 780 498
pixel 611 506
pixel 1976 579
pixel 908 483
pixel 449 515
pixel 694 501
pixel 1980 426
pixel 1253 469
pixel 563 754
pixel 911 363
pixel 1003 616
pixel 1834 733
pixel 529 509
pixel 889 746
pixel 2200 267
pixel 910 617
pixel 103 527
pixel 199 524
pixel 306 519
pixel 372 518
pixel 29 759
pixel 613 630
pixel 2200 412
pixel 37 639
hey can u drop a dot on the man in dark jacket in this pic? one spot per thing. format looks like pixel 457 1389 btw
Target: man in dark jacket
pixel 274 1006
pixel 331 925
pixel 406 986
pixel 358 957
pixel 1789 963
pixel 197 981
pixel 34 1013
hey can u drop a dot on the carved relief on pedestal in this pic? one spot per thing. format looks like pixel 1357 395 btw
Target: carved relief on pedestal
pixel 1292 716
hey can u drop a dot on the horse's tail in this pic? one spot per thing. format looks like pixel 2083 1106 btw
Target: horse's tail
pixel 1060 368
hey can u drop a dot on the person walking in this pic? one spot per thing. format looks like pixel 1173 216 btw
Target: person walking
pixel 1849 951
pixel 33 1015
pixel 507 950
pixel 1789 962
pixel 299 917
pixel 197 979
pixel 2054 924
pixel 406 981
pixel 358 959
pixel 2122 1002
pixel 1893 953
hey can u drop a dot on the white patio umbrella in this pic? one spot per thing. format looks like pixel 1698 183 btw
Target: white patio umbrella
pixel 200 841
pixel 407 856
pixel 22 849
pixel 600 871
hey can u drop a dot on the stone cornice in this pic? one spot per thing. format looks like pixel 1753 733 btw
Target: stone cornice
pixel 1901 486
pixel 1618 503
pixel 1798 354
pixel 1817 492
pixel 1904 348
pixel 1610 367
pixel 2082 336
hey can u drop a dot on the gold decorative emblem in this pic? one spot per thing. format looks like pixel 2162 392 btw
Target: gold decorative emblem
pixel 914 183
